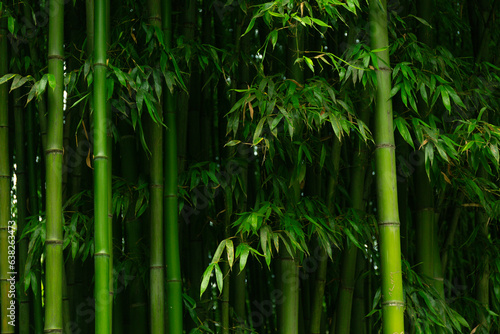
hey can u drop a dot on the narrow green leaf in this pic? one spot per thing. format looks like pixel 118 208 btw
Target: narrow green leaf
pixel 230 252
pixel 494 151
pixel 446 99
pixel 273 36
pixel 219 277
pixel 219 251
pixel 245 250
pixel 52 80
pixel 454 96
pixel 11 24
pixel 319 22
pixel 309 63
pixel 322 157
pixel 250 26
pixel 7 77
pixel 233 143
pixel 402 127
pixel 206 278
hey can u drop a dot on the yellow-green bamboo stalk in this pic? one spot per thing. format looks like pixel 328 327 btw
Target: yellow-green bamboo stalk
pixel 385 173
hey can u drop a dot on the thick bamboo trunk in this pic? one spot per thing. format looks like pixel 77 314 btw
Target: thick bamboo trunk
pixel 53 160
pixel 156 263
pixel 4 185
pixel 172 256
pixel 101 184
pixel 289 319
pixel 385 170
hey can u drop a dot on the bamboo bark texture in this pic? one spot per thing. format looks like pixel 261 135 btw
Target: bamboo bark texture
pixel 385 173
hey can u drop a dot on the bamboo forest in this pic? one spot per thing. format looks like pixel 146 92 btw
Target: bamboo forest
pixel 241 166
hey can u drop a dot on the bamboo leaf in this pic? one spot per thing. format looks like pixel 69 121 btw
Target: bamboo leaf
pixel 323 156
pixel 320 23
pixel 454 96
pixel 219 277
pixel 258 130
pixel 494 152
pixel 7 77
pixel 230 252
pixel 244 250
pixel 309 63
pixel 421 20
pixel 18 82
pixel 219 251
pixel 446 99
pixel 52 80
pixel 206 278
pixel 250 26
pixel 273 36
pixel 11 24
pixel 402 127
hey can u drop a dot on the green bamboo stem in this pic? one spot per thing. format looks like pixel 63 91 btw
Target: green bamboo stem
pixel 348 271
pixel 288 322
pixel 109 135
pixel 225 291
pixel 157 263
pixel 483 281
pixel 289 319
pixel 319 292
pixel 22 198
pixel 450 236
pixel 67 327
pixel 34 211
pixel 53 160
pixel 136 293
pixel 101 184
pixel 172 256
pixel 183 101
pixel 385 170
pixel 41 101
pixel 358 320
pixel 4 183
pixel 427 237
pixel 319 289
pixel 483 286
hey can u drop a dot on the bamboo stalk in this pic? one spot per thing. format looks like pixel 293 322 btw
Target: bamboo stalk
pixel 157 263
pixel 22 198
pixel 385 170
pixel 53 160
pixel 172 256
pixel 109 143
pixel 101 184
pixel 4 183
pixel 349 256
pixel 34 210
